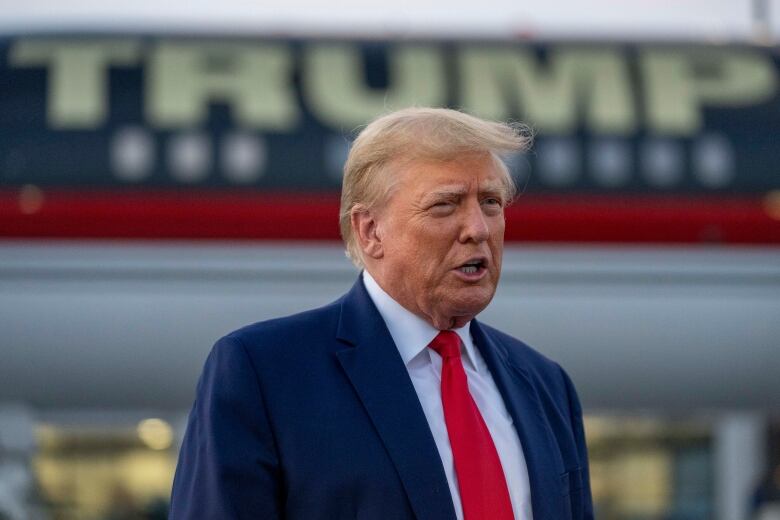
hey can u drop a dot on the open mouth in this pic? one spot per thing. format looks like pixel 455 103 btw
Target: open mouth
pixel 472 266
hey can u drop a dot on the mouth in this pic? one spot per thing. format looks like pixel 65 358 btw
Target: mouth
pixel 473 269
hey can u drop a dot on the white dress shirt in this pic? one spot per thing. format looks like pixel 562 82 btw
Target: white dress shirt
pixel 412 335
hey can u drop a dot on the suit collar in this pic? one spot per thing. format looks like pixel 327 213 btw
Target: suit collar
pixel 521 399
pixel 374 367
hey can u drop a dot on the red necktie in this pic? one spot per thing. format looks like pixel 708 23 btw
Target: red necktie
pixel 483 490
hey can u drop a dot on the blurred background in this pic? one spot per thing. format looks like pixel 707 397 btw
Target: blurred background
pixel 169 171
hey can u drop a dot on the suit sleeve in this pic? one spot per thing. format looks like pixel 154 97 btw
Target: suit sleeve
pixel 578 429
pixel 228 465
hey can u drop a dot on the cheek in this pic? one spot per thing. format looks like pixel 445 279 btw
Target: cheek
pixel 498 244
pixel 412 257
pixel 500 225
pixel 421 249
pixel 424 264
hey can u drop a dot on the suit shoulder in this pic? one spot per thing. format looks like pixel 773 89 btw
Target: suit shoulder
pixel 552 382
pixel 287 331
pixel 526 356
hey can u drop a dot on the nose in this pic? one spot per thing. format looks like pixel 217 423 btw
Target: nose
pixel 474 227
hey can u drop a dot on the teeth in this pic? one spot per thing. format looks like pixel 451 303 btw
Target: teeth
pixel 469 269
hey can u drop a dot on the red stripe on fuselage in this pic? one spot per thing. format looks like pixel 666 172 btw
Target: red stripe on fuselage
pixel 226 214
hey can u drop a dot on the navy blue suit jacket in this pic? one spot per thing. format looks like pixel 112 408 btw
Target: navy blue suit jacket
pixel 313 416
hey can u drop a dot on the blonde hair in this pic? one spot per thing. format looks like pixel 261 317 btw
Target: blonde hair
pixel 438 134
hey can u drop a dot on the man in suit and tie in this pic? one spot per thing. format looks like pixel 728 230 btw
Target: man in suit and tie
pixel 394 402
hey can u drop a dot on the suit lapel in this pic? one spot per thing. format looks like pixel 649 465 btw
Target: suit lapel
pixel 522 402
pixel 377 372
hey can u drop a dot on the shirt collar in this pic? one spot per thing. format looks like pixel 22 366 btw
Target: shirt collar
pixel 411 334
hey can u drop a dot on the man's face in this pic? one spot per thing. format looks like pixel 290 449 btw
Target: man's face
pixel 442 233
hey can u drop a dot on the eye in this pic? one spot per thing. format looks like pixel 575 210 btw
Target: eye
pixel 492 206
pixel 442 202
pixel 442 207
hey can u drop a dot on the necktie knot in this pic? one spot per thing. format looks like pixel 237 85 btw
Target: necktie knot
pixel 446 344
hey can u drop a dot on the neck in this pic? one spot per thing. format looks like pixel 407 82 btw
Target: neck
pixel 436 320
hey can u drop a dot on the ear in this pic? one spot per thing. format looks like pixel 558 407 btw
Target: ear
pixel 365 228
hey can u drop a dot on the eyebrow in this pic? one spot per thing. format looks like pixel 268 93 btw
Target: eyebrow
pixel 459 189
pixel 492 187
pixel 445 191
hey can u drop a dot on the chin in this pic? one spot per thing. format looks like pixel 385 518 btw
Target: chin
pixel 472 304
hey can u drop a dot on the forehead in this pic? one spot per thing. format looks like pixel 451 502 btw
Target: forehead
pixel 475 170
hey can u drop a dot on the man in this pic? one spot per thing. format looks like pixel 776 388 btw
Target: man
pixel 394 402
